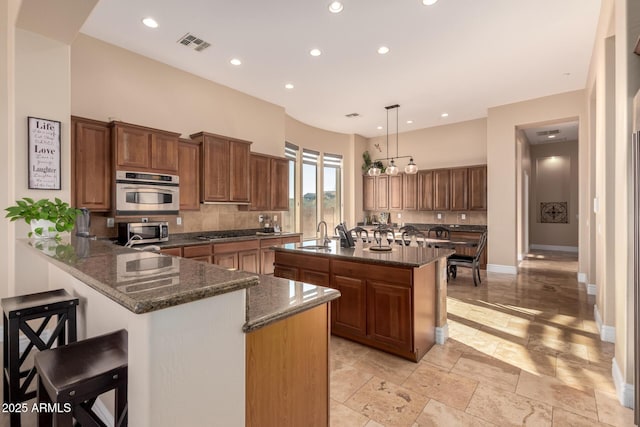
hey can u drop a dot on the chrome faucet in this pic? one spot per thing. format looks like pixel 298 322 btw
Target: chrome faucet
pixel 325 240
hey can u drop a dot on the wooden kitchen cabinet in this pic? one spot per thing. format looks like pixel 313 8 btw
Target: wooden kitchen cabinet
pixel 375 194
pixel 267 254
pixel 441 185
pixel 269 183
pixel 395 192
pixel 368 193
pixel 199 252
pixel 389 313
pixel 91 172
pixel 410 192
pixel 188 171
pixel 349 312
pixel 478 188
pixel 459 189
pixel 382 192
pixel 224 168
pixel 172 251
pixel 243 255
pixel 425 190
pixel 143 149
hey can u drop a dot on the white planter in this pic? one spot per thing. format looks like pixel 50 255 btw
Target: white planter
pixel 45 224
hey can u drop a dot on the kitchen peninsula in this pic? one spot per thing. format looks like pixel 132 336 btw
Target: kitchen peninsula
pixel 206 346
pixel 394 301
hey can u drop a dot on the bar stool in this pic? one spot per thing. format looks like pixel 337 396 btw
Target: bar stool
pixel 17 311
pixel 70 379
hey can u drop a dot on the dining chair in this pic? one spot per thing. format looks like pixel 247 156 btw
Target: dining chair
pixel 411 236
pixel 360 234
pixel 384 231
pixel 454 261
pixel 439 232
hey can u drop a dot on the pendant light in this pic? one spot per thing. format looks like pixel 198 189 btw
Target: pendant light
pixel 411 168
pixel 392 169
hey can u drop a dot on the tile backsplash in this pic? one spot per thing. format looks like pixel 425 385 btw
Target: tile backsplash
pixel 431 217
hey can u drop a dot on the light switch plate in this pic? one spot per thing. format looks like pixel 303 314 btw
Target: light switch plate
pixel 179 220
pixel 110 222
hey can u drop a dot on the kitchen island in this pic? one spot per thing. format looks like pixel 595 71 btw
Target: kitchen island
pixel 199 336
pixel 392 300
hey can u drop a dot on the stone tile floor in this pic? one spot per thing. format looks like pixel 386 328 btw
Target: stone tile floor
pixel 522 350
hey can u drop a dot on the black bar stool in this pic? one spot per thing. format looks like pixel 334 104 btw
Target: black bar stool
pixel 75 375
pixel 19 310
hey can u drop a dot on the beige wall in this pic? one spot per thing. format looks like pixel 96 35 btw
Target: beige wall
pixel 502 122
pixel 554 178
pixel 523 181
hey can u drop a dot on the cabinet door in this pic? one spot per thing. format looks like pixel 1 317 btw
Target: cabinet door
pixel 228 260
pixel 249 261
pixel 164 153
pixel 239 171
pixel 91 154
pixel 285 272
pixel 389 314
pixel 267 258
pixel 279 184
pixel 441 190
pixel 368 193
pixel 478 188
pixel 260 182
pixel 425 190
pixel 382 192
pixel 349 312
pixel 410 192
pixel 188 170
pixel 395 192
pixel 215 170
pixel 459 189
pixel 132 148
pixel 314 277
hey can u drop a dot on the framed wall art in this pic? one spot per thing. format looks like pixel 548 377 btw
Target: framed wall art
pixel 44 154
pixel 554 212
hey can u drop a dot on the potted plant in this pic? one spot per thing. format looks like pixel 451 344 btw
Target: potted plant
pixel 47 218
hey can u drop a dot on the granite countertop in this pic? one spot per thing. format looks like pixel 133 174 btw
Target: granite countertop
pixel 274 299
pixel 404 256
pixel 145 281
pixel 471 228
pixel 191 239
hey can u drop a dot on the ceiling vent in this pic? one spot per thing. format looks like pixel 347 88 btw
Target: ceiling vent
pixel 194 42
pixel 352 115
pixel 548 132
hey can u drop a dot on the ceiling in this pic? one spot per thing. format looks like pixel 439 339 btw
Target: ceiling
pixel 457 56
pixel 558 132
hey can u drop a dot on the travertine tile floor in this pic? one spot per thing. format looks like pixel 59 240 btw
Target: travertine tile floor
pixel 522 350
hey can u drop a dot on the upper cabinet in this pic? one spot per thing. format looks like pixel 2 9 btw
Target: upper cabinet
pixel 224 168
pixel 139 148
pixel 269 187
pixel 459 189
pixel 90 164
pixel 425 190
pixel 375 195
pixel 188 171
pixel 410 192
pixel 441 185
pixel 395 192
pixel 478 188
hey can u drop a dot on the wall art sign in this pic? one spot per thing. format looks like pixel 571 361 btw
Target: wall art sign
pixel 554 212
pixel 44 154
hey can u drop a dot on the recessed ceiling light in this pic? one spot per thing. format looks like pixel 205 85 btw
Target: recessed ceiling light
pixel 409 122
pixel 551 136
pixel 335 7
pixel 444 115
pixel 383 50
pixel 429 2
pixel 288 86
pixel 315 52
pixel 379 127
pixel 235 61
pixel 150 22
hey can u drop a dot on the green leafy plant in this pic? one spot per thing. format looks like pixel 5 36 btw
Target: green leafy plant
pixel 58 212
pixel 366 157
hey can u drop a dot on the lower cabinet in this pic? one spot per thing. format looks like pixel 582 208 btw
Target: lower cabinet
pixel 387 307
pixel 243 255
pixel 198 252
pixel 267 254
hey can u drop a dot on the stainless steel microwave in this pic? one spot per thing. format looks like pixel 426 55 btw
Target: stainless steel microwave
pixel 141 193
pixel 136 233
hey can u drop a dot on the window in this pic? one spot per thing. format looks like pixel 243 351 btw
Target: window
pixel 309 210
pixel 332 194
pixel 289 217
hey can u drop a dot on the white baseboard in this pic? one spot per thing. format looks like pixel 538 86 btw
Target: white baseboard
pixel 624 391
pixel 555 248
pixel 591 289
pixel 505 269
pixel 442 334
pixel 582 277
pixel 607 333
pixel 103 413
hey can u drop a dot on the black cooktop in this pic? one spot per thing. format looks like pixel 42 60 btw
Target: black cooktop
pixel 233 233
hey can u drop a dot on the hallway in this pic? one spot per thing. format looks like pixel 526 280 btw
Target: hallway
pixel 522 350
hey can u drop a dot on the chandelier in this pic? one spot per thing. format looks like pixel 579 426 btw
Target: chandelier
pixel 411 168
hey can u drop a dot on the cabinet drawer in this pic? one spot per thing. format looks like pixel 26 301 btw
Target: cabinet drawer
pixel 314 277
pixel 290 273
pixel 172 251
pixel 221 248
pixel 308 262
pixel 266 243
pixel 399 276
pixel 292 239
pixel 197 251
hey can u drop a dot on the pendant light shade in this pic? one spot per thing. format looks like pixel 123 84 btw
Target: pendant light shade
pixel 392 169
pixel 411 168
pixel 374 171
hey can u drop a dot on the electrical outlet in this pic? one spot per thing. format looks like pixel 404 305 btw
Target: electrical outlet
pixel 399 215
pixel 463 216
pixel 275 217
pixel 110 222
pixel 260 218
pixel 179 220
pixel 439 215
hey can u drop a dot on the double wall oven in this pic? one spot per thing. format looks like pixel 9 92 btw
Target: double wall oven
pixel 141 193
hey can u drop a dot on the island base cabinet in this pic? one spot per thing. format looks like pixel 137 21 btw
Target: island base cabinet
pixel 348 313
pixel 287 372
pixel 389 314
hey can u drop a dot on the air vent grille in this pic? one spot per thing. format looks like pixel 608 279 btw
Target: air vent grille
pixel 194 42
pixel 352 115
pixel 548 132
